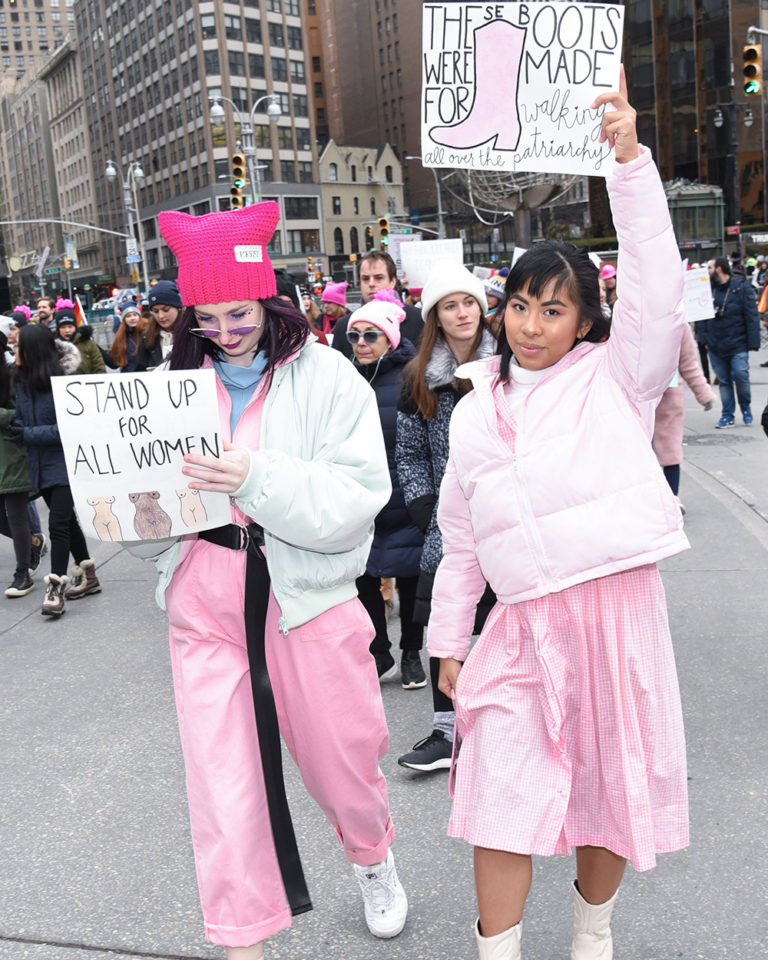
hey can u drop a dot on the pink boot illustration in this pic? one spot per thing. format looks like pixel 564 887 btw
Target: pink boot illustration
pixel 498 53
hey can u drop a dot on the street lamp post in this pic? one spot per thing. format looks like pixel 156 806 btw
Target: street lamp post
pixel 725 114
pixel 131 179
pixel 246 132
pixel 440 218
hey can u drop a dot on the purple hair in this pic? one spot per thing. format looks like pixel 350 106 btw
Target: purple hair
pixel 285 331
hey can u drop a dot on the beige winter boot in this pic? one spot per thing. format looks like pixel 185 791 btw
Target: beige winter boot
pixel 53 602
pixel 83 580
pixel 592 928
pixel 504 946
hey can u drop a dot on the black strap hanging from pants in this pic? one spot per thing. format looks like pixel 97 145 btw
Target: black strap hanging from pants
pixel 251 538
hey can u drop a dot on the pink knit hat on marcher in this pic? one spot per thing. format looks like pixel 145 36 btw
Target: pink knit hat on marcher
pixel 384 311
pixel 223 256
pixel 335 293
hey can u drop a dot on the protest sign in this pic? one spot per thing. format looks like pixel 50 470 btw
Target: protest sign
pixel 482 273
pixel 509 86
pixel 124 439
pixel 394 249
pixel 697 295
pixel 419 258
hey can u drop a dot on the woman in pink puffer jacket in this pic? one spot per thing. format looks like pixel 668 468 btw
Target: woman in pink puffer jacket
pixel 568 705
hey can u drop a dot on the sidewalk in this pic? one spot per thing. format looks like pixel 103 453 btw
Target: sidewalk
pixel 96 857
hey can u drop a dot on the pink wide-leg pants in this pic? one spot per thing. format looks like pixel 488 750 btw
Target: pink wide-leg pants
pixel 331 717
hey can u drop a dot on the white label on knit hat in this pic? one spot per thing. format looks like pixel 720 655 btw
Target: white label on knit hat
pixel 253 254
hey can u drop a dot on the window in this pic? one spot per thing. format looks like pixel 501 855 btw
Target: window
pixel 318 90
pixel 300 105
pixel 287 171
pixel 303 241
pixel 312 8
pixel 303 141
pixel 294 38
pixel 336 203
pixel 321 114
pixel 354 242
pixel 356 206
pixel 212 62
pixel 252 30
pixel 236 63
pixel 232 28
pixel 261 135
pixel 333 172
pixel 285 138
pixel 373 206
pixel 305 171
pixel 276 38
pixel 207 26
pixel 297 71
pixel 274 6
pixel 388 174
pixel 256 65
pixel 292 8
pixel 316 68
pixel 279 69
pixel 300 208
pixel 338 241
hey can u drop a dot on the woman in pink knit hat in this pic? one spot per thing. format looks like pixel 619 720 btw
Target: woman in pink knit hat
pixel 267 634
pixel 334 305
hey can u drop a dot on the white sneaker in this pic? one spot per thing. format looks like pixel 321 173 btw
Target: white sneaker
pixel 386 905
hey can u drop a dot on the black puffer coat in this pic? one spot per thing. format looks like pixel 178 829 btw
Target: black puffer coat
pixel 397 542
pixel 738 329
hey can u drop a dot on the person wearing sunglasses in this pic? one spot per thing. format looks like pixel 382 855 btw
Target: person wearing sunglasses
pixel 380 354
pixel 267 634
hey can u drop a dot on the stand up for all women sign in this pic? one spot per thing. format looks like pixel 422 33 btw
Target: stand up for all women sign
pixel 124 440
pixel 509 86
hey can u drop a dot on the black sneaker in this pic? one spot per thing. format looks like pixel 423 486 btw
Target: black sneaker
pixel 21 585
pixel 39 549
pixel 386 667
pixel 431 753
pixel 411 671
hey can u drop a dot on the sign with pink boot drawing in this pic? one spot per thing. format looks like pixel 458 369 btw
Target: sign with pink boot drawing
pixel 510 86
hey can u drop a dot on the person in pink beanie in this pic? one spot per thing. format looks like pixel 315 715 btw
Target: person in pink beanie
pixel 333 302
pixel 267 634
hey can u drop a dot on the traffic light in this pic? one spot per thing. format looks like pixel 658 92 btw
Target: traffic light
pixel 753 69
pixel 384 231
pixel 238 181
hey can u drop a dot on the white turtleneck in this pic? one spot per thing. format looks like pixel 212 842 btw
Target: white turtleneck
pixel 520 384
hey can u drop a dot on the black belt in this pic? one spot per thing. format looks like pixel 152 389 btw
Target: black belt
pixel 235 536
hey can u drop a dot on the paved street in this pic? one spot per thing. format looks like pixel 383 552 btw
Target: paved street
pixel 96 862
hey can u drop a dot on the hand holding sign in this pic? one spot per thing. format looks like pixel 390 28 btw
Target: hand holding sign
pixel 222 474
pixel 619 128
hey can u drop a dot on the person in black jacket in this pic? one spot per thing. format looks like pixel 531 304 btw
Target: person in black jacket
pixel 39 358
pixel 729 335
pixel 378 272
pixel 380 355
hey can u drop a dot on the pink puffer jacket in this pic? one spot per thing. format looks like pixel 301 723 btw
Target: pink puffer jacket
pixel 581 495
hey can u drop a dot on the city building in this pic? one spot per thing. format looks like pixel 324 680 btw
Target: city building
pixel 30 30
pixel 150 112
pixel 359 186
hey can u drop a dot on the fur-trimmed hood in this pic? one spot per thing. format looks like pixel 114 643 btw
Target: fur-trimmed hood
pixel 441 367
pixel 69 356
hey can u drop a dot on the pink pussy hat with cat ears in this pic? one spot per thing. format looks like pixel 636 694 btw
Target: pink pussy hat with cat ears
pixel 384 311
pixel 222 256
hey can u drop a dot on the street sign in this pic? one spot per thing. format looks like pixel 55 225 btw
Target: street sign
pixel 400 229
pixel 133 259
pixel 50 270
pixel 733 231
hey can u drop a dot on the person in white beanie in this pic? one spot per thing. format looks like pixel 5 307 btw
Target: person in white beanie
pixel 454 306
pixel 379 354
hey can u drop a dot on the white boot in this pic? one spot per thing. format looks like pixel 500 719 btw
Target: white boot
pixel 504 946
pixel 592 928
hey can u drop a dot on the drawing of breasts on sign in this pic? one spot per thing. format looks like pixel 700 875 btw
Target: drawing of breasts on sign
pixel 493 115
pixel 105 523
pixel 192 509
pixel 151 522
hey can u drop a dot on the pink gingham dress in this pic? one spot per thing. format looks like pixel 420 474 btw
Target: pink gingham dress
pixel 569 711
